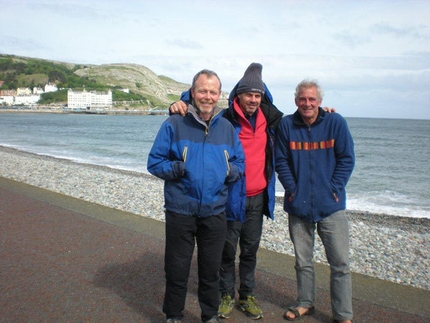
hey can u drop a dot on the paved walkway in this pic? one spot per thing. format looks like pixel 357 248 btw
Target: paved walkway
pixel 66 260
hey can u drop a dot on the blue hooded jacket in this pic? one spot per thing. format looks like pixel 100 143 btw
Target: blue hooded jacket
pixel 197 161
pixel 236 205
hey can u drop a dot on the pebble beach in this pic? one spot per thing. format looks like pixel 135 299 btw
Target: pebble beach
pixel 391 248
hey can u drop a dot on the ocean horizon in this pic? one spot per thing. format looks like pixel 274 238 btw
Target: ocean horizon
pixel 392 173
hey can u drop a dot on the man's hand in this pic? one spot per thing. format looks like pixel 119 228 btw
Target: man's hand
pixel 329 110
pixel 179 107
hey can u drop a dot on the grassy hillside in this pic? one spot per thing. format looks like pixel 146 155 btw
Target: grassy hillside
pixel 157 90
pixel 146 88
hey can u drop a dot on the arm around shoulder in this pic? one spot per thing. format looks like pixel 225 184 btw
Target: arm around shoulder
pixel 178 107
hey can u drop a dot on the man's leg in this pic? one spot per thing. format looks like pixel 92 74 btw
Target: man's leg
pixel 210 242
pixel 250 237
pixel 180 231
pixel 334 233
pixel 249 242
pixel 228 270
pixel 302 235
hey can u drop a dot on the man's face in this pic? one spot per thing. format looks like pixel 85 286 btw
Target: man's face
pixel 307 103
pixel 249 102
pixel 206 93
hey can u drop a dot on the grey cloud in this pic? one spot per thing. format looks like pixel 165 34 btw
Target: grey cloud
pixel 351 40
pixel 88 10
pixel 15 45
pixel 367 82
pixel 67 9
pixel 411 61
pixel 184 44
pixel 418 32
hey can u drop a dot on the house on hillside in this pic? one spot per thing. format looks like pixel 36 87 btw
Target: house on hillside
pixel 51 87
pixel 23 91
pixel 7 92
pixel 38 90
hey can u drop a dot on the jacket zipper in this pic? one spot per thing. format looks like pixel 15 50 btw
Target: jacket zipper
pixel 226 161
pixel 184 154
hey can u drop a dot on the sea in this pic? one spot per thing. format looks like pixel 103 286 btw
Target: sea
pixel 391 176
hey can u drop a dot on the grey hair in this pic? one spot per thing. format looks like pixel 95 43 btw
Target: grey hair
pixel 209 74
pixel 306 84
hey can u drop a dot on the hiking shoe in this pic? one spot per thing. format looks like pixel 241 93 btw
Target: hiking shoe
pixel 225 307
pixel 250 308
pixel 173 320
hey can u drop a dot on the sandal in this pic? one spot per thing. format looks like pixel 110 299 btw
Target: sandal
pixel 297 316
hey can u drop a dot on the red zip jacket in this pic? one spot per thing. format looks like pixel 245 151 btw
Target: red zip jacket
pixel 252 141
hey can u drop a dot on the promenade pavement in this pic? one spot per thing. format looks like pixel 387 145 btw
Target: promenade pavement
pixel 67 260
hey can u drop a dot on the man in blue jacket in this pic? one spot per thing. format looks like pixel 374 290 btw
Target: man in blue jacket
pixel 255 119
pixel 314 157
pixel 197 156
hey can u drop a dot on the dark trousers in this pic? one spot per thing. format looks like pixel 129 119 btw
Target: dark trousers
pixel 182 232
pixel 249 235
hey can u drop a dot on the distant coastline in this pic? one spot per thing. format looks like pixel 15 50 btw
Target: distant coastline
pixel 62 111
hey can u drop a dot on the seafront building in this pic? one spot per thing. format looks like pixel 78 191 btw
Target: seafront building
pixel 89 100
pixel 26 99
pixel 7 97
pixel 24 95
pixel 76 100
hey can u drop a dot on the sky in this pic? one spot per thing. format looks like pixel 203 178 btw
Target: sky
pixel 371 57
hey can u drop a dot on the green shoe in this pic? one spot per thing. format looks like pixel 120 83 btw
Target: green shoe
pixel 225 307
pixel 250 308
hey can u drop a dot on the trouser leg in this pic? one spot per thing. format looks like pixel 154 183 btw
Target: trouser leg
pixel 302 235
pixel 228 269
pixel 249 242
pixel 180 232
pixel 211 235
pixel 334 234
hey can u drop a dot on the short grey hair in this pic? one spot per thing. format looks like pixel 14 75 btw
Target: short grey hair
pixel 306 84
pixel 209 74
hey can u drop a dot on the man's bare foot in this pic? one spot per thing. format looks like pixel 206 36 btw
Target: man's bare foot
pixel 295 313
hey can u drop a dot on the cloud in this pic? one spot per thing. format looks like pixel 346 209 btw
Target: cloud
pixel 15 45
pixel 365 53
pixel 350 39
pixel 419 32
pixel 184 44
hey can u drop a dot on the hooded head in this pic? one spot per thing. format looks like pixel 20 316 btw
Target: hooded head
pixel 251 80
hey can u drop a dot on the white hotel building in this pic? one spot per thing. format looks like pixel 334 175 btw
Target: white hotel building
pixel 89 100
